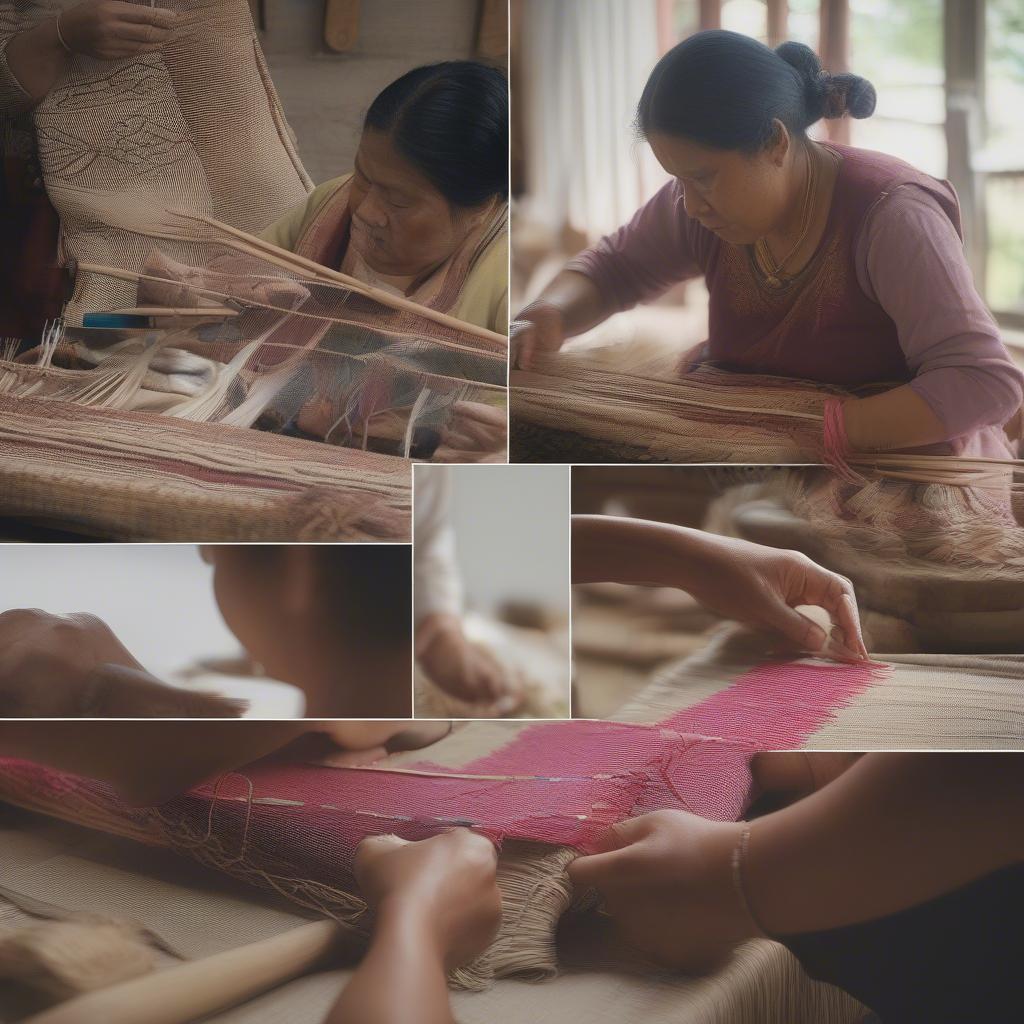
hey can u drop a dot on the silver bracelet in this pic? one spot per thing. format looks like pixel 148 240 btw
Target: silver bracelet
pixel 739 855
pixel 60 36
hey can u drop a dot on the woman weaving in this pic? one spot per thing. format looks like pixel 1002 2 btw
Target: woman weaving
pixel 424 213
pixel 424 216
pixel 823 262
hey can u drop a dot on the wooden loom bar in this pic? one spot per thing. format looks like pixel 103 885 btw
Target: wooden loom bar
pixel 131 275
pixel 378 294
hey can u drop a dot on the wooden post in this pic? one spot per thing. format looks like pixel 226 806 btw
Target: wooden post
pixel 964 46
pixel 710 14
pixel 341 24
pixel 834 50
pixel 778 22
pixel 666 28
pixel 492 30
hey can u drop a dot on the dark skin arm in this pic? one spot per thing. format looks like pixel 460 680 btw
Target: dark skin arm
pixel 570 305
pixel 890 832
pixel 436 905
pixel 751 583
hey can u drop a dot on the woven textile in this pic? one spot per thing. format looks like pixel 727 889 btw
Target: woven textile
pixel 140 476
pixel 582 406
pixel 541 791
pixel 339 367
pixel 930 702
pixel 150 129
pixel 935 567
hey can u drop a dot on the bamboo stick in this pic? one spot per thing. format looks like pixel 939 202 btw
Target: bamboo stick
pixel 378 294
pixel 171 311
pixel 131 275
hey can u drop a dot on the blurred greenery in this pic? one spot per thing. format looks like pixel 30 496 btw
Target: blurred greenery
pixel 1005 31
pixel 886 36
pixel 1005 271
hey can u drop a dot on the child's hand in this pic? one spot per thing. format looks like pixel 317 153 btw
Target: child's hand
pixel 72 666
pixel 445 885
pixel 667 882
pixel 760 587
pixel 466 670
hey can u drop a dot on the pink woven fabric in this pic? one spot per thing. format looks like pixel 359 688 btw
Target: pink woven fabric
pixel 778 705
pixel 562 783
pixel 835 442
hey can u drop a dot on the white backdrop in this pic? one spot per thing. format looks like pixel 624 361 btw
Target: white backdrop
pixel 512 534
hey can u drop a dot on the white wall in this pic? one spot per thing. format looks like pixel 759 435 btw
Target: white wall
pixel 512 531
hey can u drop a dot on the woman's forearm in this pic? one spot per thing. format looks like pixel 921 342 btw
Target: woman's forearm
pixel 37 59
pixel 616 549
pixel 900 418
pixel 892 831
pixel 578 299
pixel 401 980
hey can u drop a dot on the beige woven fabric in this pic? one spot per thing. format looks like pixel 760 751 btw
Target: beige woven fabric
pixel 197 126
pixel 585 406
pixel 925 702
pixel 140 476
pixel 934 567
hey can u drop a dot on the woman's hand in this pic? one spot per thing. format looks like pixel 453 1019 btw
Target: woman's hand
pixel 113 30
pixel 756 585
pixel 539 329
pixel 667 881
pixel 462 669
pixel 760 587
pixel 446 884
pixel 72 666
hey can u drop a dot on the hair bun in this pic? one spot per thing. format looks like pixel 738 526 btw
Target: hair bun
pixel 848 94
pixel 801 57
pixel 828 95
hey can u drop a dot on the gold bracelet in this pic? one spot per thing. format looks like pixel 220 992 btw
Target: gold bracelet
pixel 739 855
pixel 60 36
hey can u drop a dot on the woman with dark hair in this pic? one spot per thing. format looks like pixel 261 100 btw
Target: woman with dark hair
pixel 425 211
pixel 823 262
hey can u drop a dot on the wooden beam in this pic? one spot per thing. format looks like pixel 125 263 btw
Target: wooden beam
pixel 492 33
pixel 778 22
pixel 710 14
pixel 834 50
pixel 964 56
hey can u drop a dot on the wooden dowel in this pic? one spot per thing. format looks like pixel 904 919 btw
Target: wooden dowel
pixel 385 298
pixel 130 275
pixel 202 987
pixel 171 311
